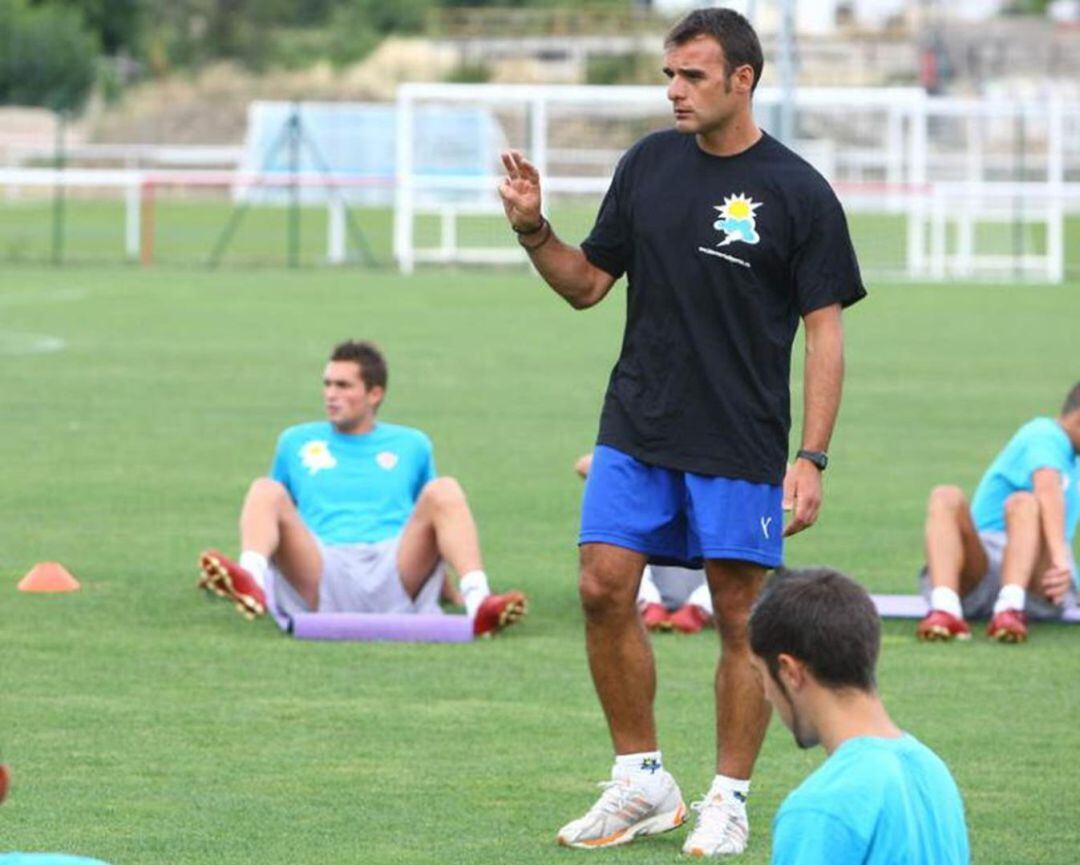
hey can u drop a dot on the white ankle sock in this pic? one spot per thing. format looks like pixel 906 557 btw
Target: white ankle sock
pixel 644 768
pixel 730 789
pixel 945 599
pixel 256 565
pixel 474 588
pixel 648 593
pixel 1010 598
pixel 702 597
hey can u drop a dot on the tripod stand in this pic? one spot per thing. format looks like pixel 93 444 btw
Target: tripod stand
pixel 292 136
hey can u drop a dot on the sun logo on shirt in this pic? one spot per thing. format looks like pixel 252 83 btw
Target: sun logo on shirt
pixel 315 455
pixel 737 219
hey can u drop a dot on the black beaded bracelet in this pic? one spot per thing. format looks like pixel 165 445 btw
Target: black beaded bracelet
pixel 530 247
pixel 540 225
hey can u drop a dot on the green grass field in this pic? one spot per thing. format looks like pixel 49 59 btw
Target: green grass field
pixel 188 230
pixel 145 723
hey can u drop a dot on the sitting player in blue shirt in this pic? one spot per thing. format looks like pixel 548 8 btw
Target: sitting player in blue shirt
pixel 1008 555
pixel 881 797
pixel 353 517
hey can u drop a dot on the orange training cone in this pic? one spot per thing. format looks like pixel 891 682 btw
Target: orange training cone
pixel 48 577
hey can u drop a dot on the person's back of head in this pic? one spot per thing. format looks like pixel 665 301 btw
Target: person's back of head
pixel 824 619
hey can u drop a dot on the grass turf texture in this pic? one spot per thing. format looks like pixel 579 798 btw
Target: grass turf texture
pixel 187 232
pixel 145 723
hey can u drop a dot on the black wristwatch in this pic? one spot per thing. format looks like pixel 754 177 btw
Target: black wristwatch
pixel 818 458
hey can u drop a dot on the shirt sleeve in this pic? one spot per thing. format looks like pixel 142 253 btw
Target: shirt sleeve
pixel 825 269
pixel 1042 453
pixel 608 245
pixel 806 837
pixel 426 470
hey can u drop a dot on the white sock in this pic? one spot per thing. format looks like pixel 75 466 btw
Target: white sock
pixel 945 599
pixel 474 588
pixel 730 789
pixel 702 597
pixel 648 593
pixel 256 565
pixel 1010 598
pixel 644 768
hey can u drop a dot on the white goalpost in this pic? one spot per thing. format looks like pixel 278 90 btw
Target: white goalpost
pixel 935 187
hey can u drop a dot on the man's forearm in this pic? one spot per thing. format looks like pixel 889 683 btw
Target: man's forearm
pixel 565 268
pixel 823 379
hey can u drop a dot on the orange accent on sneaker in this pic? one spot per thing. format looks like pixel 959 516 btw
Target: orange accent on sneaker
pixel 607 839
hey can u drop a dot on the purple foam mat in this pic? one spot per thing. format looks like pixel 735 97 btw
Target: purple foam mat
pixel 915 607
pixel 406 627
pixel 403 627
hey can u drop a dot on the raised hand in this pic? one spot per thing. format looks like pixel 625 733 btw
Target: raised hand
pixel 520 191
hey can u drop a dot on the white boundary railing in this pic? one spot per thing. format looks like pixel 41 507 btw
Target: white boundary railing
pixel 138 189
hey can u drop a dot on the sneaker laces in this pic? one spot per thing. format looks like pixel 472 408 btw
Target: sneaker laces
pixel 718 818
pixel 617 792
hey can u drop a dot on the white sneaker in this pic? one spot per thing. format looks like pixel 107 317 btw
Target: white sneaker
pixel 722 828
pixel 625 811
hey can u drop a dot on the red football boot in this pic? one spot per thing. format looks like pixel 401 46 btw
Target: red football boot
pixel 939 626
pixel 497 612
pixel 1008 626
pixel 689 619
pixel 655 617
pixel 223 577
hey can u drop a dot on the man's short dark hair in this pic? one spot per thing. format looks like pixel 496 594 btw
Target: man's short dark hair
pixel 1072 401
pixel 729 28
pixel 822 618
pixel 365 355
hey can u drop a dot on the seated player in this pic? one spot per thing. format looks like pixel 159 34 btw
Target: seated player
pixel 1008 555
pixel 670 598
pixel 881 796
pixel 353 517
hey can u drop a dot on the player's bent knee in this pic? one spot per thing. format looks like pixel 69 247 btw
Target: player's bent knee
pixel 266 488
pixel 1021 504
pixel 947 497
pixel 443 492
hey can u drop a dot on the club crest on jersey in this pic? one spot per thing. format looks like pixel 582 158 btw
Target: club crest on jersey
pixel 386 460
pixel 316 456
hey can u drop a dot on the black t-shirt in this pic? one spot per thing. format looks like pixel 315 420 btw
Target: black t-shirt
pixel 723 254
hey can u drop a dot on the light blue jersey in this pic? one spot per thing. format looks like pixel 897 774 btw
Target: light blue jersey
pixel 1038 444
pixel 353 488
pixel 874 802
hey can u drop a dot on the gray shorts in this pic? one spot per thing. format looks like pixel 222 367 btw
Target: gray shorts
pixel 979 602
pixel 360 578
pixel 676 584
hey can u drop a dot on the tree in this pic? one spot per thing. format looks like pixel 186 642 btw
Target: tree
pixel 49 57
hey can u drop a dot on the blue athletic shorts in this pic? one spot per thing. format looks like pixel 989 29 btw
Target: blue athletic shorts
pixel 680 518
